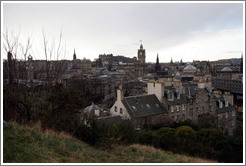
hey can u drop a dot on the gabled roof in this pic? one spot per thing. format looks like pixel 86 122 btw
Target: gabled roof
pixel 144 105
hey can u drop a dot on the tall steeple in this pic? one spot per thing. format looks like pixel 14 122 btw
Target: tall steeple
pixel 74 55
pixel 157 64
pixel 157 59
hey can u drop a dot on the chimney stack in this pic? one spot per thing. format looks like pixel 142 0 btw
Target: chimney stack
pixel 119 93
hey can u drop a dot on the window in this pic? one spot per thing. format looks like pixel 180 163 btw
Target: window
pixel 177 108
pixel 115 108
pixel 147 105
pixel 121 110
pixel 171 108
pixel 133 107
pixel 157 105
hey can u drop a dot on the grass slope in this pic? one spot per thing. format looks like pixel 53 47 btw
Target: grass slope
pixel 23 144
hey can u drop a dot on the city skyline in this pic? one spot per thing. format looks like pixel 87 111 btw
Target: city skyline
pixel 191 31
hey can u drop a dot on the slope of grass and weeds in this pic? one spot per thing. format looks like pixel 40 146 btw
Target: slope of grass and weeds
pixel 25 144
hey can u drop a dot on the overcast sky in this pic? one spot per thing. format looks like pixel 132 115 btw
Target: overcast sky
pixel 191 31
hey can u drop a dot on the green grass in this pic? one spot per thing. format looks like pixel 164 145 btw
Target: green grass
pixel 23 144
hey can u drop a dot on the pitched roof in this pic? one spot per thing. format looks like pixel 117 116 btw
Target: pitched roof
pixel 225 109
pixel 144 105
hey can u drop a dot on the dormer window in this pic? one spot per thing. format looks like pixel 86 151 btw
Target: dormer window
pixel 171 108
pixel 220 104
pixel 226 103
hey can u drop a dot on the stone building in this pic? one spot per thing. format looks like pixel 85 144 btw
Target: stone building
pixel 194 101
pixel 143 110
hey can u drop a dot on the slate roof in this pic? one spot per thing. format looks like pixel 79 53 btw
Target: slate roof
pixel 225 109
pixel 144 105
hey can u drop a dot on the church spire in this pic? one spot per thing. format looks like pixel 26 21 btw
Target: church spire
pixel 171 61
pixel 74 55
pixel 157 59
pixel 157 64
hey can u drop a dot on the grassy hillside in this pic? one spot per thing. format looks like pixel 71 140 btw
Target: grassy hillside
pixel 23 144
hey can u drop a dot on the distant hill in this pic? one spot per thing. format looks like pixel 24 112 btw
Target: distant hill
pixel 23 144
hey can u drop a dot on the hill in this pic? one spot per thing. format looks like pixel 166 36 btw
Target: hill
pixel 24 144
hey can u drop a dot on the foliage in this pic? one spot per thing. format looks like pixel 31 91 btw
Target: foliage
pixel 106 134
pixel 24 144
pixel 63 106
pixel 206 142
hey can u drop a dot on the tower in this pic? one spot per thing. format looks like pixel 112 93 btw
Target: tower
pixel 171 66
pixel 141 55
pixel 157 65
pixel 74 55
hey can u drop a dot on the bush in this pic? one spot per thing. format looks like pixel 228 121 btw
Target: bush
pixel 166 138
pixel 186 139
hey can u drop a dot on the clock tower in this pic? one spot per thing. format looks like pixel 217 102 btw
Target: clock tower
pixel 141 55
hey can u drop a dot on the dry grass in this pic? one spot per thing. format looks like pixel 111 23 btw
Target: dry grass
pixel 53 147
pixel 48 132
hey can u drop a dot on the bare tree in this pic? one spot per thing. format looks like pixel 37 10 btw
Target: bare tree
pixel 25 47
pixel 10 45
pixel 53 49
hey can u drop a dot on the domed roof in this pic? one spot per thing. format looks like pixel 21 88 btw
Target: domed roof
pixel 189 67
pixel 226 69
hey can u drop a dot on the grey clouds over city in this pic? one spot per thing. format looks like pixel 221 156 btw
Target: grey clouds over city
pixel 191 31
